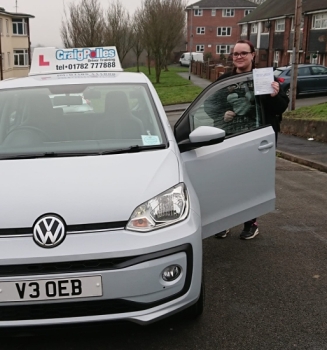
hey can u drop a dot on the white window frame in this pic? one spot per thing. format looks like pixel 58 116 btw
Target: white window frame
pixel 19 55
pixel 199 48
pixel 200 30
pixel 244 29
pixel 264 29
pixel 224 31
pixel 254 28
pixel 280 25
pixel 226 48
pixel 276 58
pixel 19 24
pixel 213 12
pixel 198 12
pixel 246 12
pixel 314 60
pixel 228 12
pixel 319 21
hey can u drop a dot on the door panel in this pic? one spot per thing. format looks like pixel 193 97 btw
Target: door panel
pixel 306 82
pixel 234 180
pixel 320 75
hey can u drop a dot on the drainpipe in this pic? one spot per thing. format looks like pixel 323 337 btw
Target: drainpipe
pixel 1 71
pixel 29 42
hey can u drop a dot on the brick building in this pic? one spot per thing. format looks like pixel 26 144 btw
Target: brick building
pixel 212 25
pixel 271 29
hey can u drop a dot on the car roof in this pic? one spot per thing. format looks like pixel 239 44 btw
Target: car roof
pixel 301 65
pixel 74 79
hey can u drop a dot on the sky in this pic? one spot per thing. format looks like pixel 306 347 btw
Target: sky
pixel 45 27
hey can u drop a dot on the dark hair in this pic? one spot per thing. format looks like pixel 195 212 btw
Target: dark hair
pixel 248 42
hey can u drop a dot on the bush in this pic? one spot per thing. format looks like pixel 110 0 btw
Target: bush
pixel 207 56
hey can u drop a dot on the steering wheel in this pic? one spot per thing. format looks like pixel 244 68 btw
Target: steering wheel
pixel 26 135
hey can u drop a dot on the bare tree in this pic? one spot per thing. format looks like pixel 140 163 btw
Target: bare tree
pixel 162 25
pixel 138 39
pixel 83 24
pixel 119 30
pixel 174 10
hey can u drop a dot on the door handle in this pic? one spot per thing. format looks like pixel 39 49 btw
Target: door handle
pixel 266 146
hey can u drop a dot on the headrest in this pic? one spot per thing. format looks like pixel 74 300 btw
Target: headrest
pixel 39 101
pixel 117 104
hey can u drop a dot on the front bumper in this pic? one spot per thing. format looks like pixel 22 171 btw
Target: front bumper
pixel 133 288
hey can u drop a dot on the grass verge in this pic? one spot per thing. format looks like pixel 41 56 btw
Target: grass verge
pixel 315 112
pixel 172 89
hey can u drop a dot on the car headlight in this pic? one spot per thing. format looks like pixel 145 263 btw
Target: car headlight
pixel 168 208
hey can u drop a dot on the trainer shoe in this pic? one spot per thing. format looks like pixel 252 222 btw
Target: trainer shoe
pixel 222 234
pixel 249 231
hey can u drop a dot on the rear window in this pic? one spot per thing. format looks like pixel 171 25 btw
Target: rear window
pixel 278 72
pixel 78 118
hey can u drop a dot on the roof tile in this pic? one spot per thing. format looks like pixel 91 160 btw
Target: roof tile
pixel 277 8
pixel 223 4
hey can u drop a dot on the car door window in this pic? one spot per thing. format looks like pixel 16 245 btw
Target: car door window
pixel 232 108
pixel 304 71
pixel 319 70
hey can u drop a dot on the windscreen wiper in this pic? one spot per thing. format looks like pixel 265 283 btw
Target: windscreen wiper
pixel 130 149
pixel 47 155
pixel 133 149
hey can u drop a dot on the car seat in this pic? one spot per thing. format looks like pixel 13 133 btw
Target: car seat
pixel 118 122
pixel 39 113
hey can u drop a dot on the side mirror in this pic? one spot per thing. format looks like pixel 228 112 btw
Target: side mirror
pixel 206 134
pixel 202 136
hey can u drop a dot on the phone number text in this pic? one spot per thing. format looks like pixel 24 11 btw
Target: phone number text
pixel 81 66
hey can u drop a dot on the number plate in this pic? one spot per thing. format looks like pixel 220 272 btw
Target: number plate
pixel 64 288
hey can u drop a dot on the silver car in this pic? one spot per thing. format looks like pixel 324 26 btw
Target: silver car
pixel 103 213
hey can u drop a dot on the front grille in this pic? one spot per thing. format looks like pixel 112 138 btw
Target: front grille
pixel 61 310
pixel 65 267
pixel 47 310
pixel 69 228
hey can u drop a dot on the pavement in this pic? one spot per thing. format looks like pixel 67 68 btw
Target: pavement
pixel 306 152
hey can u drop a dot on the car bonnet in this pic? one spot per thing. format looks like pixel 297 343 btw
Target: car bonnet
pixel 82 190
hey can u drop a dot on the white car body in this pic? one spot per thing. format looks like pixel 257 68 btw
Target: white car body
pixel 101 268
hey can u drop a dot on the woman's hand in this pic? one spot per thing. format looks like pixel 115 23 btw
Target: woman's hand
pixel 275 86
pixel 229 115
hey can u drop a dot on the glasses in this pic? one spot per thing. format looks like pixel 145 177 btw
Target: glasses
pixel 241 54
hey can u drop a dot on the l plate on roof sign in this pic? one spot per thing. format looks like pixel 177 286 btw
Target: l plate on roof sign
pixel 50 60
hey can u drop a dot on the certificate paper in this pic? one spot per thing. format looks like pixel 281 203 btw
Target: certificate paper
pixel 262 78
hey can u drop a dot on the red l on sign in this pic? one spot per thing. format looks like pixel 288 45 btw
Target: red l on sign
pixel 42 62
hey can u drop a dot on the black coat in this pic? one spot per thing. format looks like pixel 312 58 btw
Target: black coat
pixel 274 107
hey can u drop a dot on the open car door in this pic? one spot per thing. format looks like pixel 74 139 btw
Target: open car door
pixel 234 177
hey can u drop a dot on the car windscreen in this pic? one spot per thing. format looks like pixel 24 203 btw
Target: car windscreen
pixel 78 119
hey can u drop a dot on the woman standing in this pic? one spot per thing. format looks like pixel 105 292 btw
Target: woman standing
pixel 274 106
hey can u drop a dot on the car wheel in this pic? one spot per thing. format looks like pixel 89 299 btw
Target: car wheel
pixel 196 309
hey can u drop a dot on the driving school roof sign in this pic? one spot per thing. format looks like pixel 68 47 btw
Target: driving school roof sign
pixel 50 60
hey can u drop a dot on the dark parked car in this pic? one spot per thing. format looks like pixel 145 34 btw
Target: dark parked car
pixel 312 78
